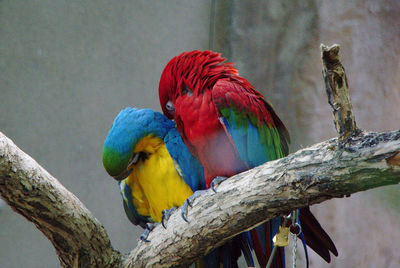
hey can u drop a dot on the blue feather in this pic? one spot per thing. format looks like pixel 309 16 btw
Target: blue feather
pixel 247 140
pixel 248 143
pixel 130 210
pixel 189 168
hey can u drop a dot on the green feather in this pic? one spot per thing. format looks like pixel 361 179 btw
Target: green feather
pixel 114 162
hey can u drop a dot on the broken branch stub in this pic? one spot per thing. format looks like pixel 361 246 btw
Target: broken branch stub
pixel 337 90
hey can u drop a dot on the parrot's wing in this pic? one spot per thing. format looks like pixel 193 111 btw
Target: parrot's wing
pixel 258 136
pixel 255 130
pixel 131 212
pixel 187 166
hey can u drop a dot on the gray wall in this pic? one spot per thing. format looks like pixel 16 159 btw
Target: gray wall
pixel 68 67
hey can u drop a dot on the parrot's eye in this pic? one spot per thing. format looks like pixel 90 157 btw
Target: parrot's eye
pixel 134 159
pixel 141 156
pixel 170 106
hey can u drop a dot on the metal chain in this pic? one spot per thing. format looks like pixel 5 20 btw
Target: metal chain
pixel 295 225
pixel 294 252
pixel 294 216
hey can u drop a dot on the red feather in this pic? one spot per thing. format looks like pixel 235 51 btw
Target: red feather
pixel 197 82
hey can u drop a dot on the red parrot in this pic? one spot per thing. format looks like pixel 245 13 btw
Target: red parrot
pixel 229 127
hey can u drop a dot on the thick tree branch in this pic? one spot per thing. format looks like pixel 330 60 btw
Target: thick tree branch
pixel 79 239
pixel 307 177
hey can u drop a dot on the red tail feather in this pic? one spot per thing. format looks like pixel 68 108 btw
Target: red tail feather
pixel 315 236
pixel 263 257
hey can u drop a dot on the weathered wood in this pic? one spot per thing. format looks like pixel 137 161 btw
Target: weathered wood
pixel 79 239
pixel 307 177
pixel 337 89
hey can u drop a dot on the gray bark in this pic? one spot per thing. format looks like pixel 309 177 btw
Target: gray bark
pixel 79 239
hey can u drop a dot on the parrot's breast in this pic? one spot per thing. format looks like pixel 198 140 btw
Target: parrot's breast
pixel 155 183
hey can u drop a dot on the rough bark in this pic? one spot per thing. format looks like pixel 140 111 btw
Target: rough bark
pixel 337 89
pixel 79 239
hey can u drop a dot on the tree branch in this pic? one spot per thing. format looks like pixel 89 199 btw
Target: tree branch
pixel 326 170
pixel 337 90
pixel 307 177
pixel 79 239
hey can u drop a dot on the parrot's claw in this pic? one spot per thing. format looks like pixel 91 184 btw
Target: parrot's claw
pixel 188 203
pixel 166 213
pixel 216 181
pixel 149 228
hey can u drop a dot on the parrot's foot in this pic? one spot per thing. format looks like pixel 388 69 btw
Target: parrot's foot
pixel 188 203
pixel 166 213
pixel 149 228
pixel 216 181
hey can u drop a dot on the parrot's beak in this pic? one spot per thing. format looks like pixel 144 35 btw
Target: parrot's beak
pixel 124 174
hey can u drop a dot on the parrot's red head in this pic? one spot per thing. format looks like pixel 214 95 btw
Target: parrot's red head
pixel 191 73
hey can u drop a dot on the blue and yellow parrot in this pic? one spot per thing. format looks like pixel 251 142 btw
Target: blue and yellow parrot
pixel 137 152
pixel 145 153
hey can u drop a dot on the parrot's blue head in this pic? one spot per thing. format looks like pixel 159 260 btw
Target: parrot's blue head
pixel 130 128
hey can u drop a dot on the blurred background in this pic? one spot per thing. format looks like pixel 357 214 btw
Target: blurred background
pixel 68 67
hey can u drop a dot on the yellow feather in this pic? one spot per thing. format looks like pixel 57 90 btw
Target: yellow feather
pixel 155 183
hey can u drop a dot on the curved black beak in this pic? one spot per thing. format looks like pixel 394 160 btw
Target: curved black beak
pixel 124 174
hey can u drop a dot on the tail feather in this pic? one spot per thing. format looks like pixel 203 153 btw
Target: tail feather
pixel 227 255
pixel 245 245
pixel 260 255
pixel 260 239
pixel 313 243
pixel 315 236
pixel 279 260
pixel 211 260
pixel 262 243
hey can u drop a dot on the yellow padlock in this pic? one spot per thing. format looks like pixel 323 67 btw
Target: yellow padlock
pixel 281 239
